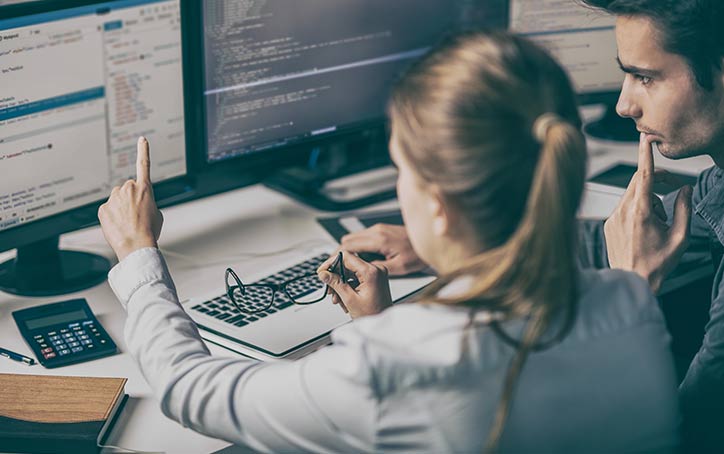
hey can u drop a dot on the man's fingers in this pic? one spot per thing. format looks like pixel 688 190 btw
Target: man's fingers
pixel 646 165
pixel 659 209
pixel 395 266
pixel 682 219
pixel 361 242
pixel 143 162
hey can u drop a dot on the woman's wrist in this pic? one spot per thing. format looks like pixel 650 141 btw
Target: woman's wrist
pixel 131 246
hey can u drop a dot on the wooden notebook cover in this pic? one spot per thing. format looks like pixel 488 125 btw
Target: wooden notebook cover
pixel 55 399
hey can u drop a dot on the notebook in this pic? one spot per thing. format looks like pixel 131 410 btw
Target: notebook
pixel 52 414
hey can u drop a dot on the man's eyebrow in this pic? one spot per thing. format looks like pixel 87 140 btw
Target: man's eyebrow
pixel 629 69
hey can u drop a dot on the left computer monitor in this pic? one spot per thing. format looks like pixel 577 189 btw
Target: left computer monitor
pixel 79 83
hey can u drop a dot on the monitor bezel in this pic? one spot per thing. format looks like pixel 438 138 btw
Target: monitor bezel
pixel 87 215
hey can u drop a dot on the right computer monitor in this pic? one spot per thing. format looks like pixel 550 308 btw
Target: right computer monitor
pixel 584 42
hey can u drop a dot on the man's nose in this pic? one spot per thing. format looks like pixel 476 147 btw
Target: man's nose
pixel 627 105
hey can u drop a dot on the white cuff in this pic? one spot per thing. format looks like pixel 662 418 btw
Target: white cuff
pixel 139 268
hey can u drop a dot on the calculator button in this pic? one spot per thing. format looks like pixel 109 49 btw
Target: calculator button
pixel 49 355
pixel 40 341
pixel 84 337
pixel 53 338
pixel 81 333
pixel 65 351
pixel 77 328
pixel 47 350
pixel 86 342
pixel 73 344
pixel 59 346
pixel 77 349
pixel 38 337
pixel 43 345
pixel 90 346
pixel 63 331
pixel 103 341
pixel 67 334
pixel 52 333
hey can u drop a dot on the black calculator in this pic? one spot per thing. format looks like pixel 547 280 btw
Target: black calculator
pixel 64 333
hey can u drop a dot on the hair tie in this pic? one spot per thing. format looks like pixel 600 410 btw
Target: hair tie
pixel 542 125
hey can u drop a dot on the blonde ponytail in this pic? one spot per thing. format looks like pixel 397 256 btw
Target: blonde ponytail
pixel 546 233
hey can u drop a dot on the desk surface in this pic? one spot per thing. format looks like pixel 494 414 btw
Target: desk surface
pixel 200 239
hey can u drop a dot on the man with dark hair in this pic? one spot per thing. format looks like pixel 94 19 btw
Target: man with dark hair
pixel 671 52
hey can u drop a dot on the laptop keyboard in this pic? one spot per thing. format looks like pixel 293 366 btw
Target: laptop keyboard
pixel 222 309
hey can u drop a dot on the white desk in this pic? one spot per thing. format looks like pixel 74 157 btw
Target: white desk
pixel 200 237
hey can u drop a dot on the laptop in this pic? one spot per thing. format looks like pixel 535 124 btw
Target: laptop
pixel 286 330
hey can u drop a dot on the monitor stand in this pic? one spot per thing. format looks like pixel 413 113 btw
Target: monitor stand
pixel 345 174
pixel 613 127
pixel 42 269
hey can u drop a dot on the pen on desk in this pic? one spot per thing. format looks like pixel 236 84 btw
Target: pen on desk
pixel 16 357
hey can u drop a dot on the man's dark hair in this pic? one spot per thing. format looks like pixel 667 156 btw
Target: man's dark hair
pixel 693 29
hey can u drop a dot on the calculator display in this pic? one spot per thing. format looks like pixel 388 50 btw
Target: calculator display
pixel 56 319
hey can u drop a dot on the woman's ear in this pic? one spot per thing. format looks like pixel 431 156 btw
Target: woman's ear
pixel 440 213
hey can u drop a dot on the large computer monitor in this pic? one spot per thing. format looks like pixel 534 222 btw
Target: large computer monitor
pixel 79 82
pixel 285 76
pixel 584 42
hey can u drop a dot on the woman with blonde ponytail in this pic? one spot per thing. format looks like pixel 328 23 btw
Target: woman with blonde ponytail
pixel 512 349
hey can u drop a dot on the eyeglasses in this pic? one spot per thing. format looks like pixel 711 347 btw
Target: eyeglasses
pixel 255 298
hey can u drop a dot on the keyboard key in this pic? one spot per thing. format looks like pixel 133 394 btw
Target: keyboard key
pixel 241 323
pixel 235 319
